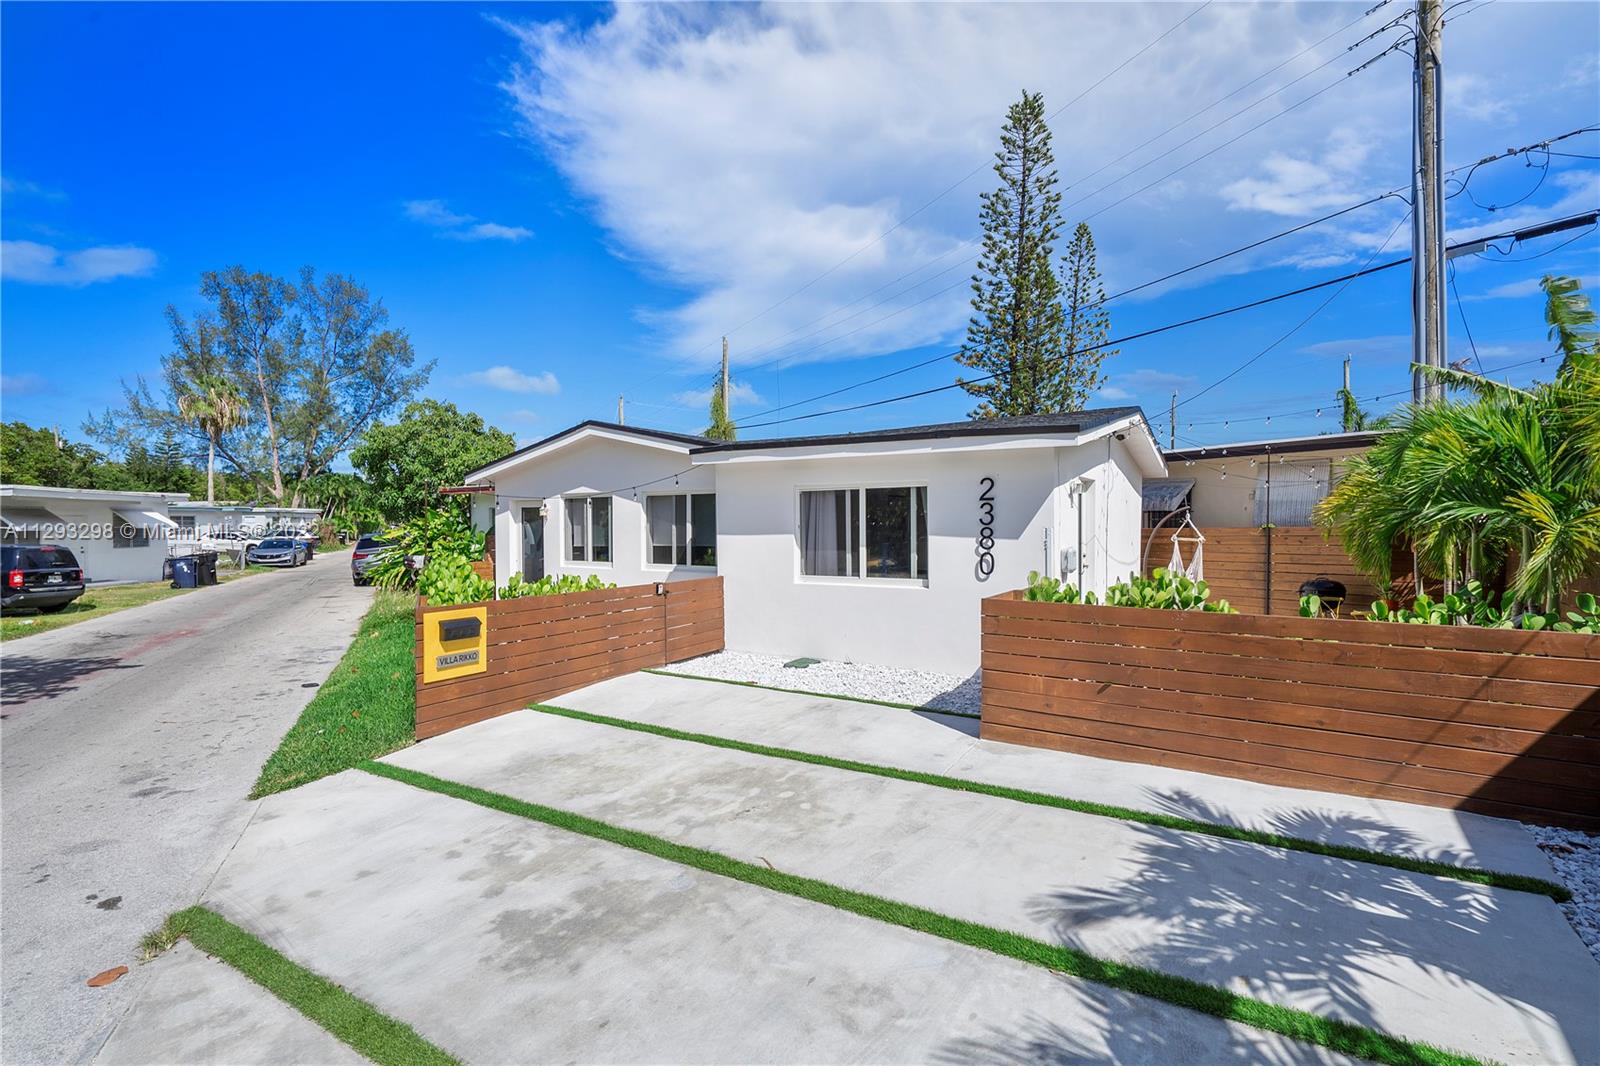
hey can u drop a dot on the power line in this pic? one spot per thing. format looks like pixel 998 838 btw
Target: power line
pixel 1514 236
pixel 1343 280
pixel 1145 143
pixel 1395 193
pixel 1462 311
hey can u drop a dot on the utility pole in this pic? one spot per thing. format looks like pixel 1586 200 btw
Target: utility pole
pixel 1427 203
pixel 727 400
pixel 1346 373
pixel 620 420
pixel 1172 422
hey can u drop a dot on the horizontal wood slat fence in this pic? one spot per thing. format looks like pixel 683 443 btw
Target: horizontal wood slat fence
pixel 1235 565
pixel 1501 722
pixel 541 646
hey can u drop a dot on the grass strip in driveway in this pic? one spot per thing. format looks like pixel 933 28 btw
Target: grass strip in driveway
pixel 924 708
pixel 366 708
pixel 352 1020
pixel 1491 878
pixel 1344 1037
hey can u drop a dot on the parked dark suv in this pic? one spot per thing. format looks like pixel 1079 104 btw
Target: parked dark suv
pixel 45 576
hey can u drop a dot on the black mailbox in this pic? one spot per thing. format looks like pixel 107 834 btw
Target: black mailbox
pixel 459 629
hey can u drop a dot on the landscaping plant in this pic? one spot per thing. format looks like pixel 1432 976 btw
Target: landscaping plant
pixel 550 585
pixel 1162 590
pixel 1502 488
pixel 1472 605
pixel 434 535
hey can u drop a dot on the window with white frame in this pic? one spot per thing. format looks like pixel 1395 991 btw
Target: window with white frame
pixel 865 533
pixel 682 529
pixel 588 529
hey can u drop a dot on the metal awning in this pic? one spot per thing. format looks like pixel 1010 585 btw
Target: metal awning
pixel 131 517
pixel 28 518
pixel 1167 494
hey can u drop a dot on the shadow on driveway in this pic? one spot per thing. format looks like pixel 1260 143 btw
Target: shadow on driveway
pixel 27 677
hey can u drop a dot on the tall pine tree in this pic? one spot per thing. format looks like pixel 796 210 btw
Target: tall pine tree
pixel 1088 324
pixel 1017 334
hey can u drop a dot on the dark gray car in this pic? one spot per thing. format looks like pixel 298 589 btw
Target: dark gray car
pixel 368 551
pixel 277 551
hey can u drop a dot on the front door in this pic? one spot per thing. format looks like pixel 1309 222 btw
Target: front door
pixel 532 544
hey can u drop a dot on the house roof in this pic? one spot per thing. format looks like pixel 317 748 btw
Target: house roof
pixel 1068 422
pixel 57 492
pixel 592 427
pixel 1326 442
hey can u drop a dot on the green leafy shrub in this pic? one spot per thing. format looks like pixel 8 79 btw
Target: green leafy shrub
pixel 553 586
pixel 1470 605
pixel 436 534
pixel 1162 590
pixel 448 579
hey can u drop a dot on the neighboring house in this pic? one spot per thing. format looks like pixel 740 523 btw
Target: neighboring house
pixel 199 518
pixel 874 547
pixel 1253 483
pixel 117 536
pixel 1254 503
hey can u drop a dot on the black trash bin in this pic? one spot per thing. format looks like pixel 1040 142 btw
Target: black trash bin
pixel 185 571
pixel 207 563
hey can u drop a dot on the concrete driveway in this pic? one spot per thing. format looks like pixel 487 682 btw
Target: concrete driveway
pixel 129 743
pixel 501 939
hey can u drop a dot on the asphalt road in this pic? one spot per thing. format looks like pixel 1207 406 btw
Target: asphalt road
pixel 127 745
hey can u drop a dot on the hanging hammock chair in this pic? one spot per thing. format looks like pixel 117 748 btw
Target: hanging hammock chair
pixel 1195 569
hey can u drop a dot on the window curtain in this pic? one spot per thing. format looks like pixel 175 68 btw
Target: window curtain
pixel 826 527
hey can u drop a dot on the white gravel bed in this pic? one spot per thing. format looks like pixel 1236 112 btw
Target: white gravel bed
pixel 1576 857
pixel 945 692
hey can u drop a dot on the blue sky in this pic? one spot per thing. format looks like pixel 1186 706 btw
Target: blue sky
pixel 564 203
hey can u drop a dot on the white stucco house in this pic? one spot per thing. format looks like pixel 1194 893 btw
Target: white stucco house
pixel 116 536
pixel 200 518
pixel 871 547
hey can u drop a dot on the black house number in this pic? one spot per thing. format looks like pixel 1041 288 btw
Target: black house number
pixel 986 527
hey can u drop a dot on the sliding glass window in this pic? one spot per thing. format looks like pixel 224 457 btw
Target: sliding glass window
pixel 682 529
pixel 588 529
pixel 865 533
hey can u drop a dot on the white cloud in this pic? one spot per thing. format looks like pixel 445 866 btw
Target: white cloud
pixel 740 394
pixel 19 187
pixel 774 161
pixel 459 227
pixel 1145 382
pixel 510 379
pixel 1527 287
pixel 21 384
pixel 43 264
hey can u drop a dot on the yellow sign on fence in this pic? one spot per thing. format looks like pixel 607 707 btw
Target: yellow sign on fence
pixel 454 643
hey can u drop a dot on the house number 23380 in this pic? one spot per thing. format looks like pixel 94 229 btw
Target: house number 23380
pixel 985 527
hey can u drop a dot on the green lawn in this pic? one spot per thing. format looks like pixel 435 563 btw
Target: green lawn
pixel 103 601
pixel 366 708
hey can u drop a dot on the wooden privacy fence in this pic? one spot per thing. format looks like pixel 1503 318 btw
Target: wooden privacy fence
pixel 1497 721
pixel 538 647
pixel 1236 566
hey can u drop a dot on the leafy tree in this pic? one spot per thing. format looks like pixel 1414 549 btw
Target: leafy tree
pixel 1078 375
pixel 30 456
pixel 1017 333
pixel 721 427
pixel 432 445
pixel 1509 478
pixel 314 366
pixel 1351 416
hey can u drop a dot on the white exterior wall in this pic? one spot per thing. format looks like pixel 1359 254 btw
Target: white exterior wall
pixel 772 609
pixel 101 560
pixel 590 467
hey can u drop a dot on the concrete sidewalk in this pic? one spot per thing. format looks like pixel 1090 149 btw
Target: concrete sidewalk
pixel 944 744
pixel 504 940
pixel 1496 973
pixel 129 743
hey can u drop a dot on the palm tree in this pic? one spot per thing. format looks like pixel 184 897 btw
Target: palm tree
pixel 1506 473
pixel 216 405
